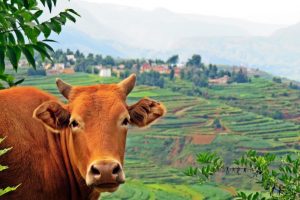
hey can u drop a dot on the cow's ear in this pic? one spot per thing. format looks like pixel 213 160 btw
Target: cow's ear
pixel 52 115
pixel 145 112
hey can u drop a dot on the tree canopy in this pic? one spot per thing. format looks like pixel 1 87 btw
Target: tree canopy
pixel 22 32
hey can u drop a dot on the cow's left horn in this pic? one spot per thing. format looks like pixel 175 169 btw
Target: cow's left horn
pixel 128 84
pixel 63 87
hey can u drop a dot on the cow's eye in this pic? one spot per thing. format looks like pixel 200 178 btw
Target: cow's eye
pixel 74 124
pixel 125 122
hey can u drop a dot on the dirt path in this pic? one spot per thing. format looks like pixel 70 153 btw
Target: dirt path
pixel 183 110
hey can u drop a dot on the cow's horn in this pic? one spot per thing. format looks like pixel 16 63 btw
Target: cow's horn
pixel 128 84
pixel 63 87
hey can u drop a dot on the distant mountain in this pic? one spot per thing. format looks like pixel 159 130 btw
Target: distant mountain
pixel 131 32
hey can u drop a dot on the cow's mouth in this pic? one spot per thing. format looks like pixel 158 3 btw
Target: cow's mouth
pixel 107 187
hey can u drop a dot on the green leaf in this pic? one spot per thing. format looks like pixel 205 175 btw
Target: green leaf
pixel 2 139
pixel 49 40
pixel 48 47
pixel 55 26
pixel 67 15
pixel 255 197
pixel 8 189
pixel 26 4
pixel 29 56
pixel 37 14
pixel 13 56
pixel 3 168
pixel 4 151
pixel 2 59
pixel 62 19
pixel 11 38
pixel 19 81
pixel 40 47
pixel 43 2
pixel 45 29
pixel 49 4
pixel 73 11
pixel 20 37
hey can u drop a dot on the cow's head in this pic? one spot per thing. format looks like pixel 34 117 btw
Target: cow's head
pixel 95 122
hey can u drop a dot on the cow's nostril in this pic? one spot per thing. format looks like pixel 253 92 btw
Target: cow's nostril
pixel 116 169
pixel 95 171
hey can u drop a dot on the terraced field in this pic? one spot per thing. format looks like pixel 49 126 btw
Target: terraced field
pixel 156 156
pixel 260 96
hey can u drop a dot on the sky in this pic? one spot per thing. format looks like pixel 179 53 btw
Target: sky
pixel 284 12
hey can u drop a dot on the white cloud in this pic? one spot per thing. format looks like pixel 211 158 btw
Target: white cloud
pixel 264 11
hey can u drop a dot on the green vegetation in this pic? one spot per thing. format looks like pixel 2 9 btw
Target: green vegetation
pixel 278 179
pixel 23 33
pixel 151 78
pixel 7 189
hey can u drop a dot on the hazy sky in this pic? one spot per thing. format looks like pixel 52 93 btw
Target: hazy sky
pixel 265 11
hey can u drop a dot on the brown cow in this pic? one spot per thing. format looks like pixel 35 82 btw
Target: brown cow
pixel 68 151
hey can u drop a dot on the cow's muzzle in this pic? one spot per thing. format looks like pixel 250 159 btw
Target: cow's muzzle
pixel 105 175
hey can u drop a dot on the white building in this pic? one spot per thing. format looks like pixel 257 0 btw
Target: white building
pixel 59 66
pixel 71 57
pixel 105 72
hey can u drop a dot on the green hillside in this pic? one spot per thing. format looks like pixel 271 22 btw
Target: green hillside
pixel 156 156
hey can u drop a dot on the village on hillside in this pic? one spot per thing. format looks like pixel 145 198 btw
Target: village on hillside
pixel 70 63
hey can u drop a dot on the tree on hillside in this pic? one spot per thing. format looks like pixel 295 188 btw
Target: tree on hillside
pixel 200 80
pixel 240 77
pixel 108 60
pixel 212 71
pixel 172 74
pixel 22 32
pixel 151 78
pixel 173 60
pixel 159 61
pixel 195 61
pixel 277 80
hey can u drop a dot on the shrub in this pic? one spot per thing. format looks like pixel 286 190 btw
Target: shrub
pixel 278 178
pixel 38 72
pixel 277 80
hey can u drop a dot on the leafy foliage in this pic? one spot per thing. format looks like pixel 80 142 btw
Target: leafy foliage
pixel 278 178
pixel 23 33
pixel 2 168
pixel 151 78
pixel 210 163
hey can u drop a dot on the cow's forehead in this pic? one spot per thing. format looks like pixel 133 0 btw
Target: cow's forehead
pixel 89 100
pixel 101 90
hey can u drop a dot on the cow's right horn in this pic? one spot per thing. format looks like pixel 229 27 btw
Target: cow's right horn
pixel 128 84
pixel 63 87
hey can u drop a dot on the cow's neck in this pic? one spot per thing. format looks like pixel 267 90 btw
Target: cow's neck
pixel 78 188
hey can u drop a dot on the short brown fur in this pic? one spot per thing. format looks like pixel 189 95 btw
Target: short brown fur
pixel 52 165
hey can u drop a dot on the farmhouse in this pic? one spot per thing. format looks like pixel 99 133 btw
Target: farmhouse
pixel 162 69
pixel 51 72
pixel 71 57
pixel 68 71
pixel 59 66
pixel 105 72
pixel 219 81
pixel 145 68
